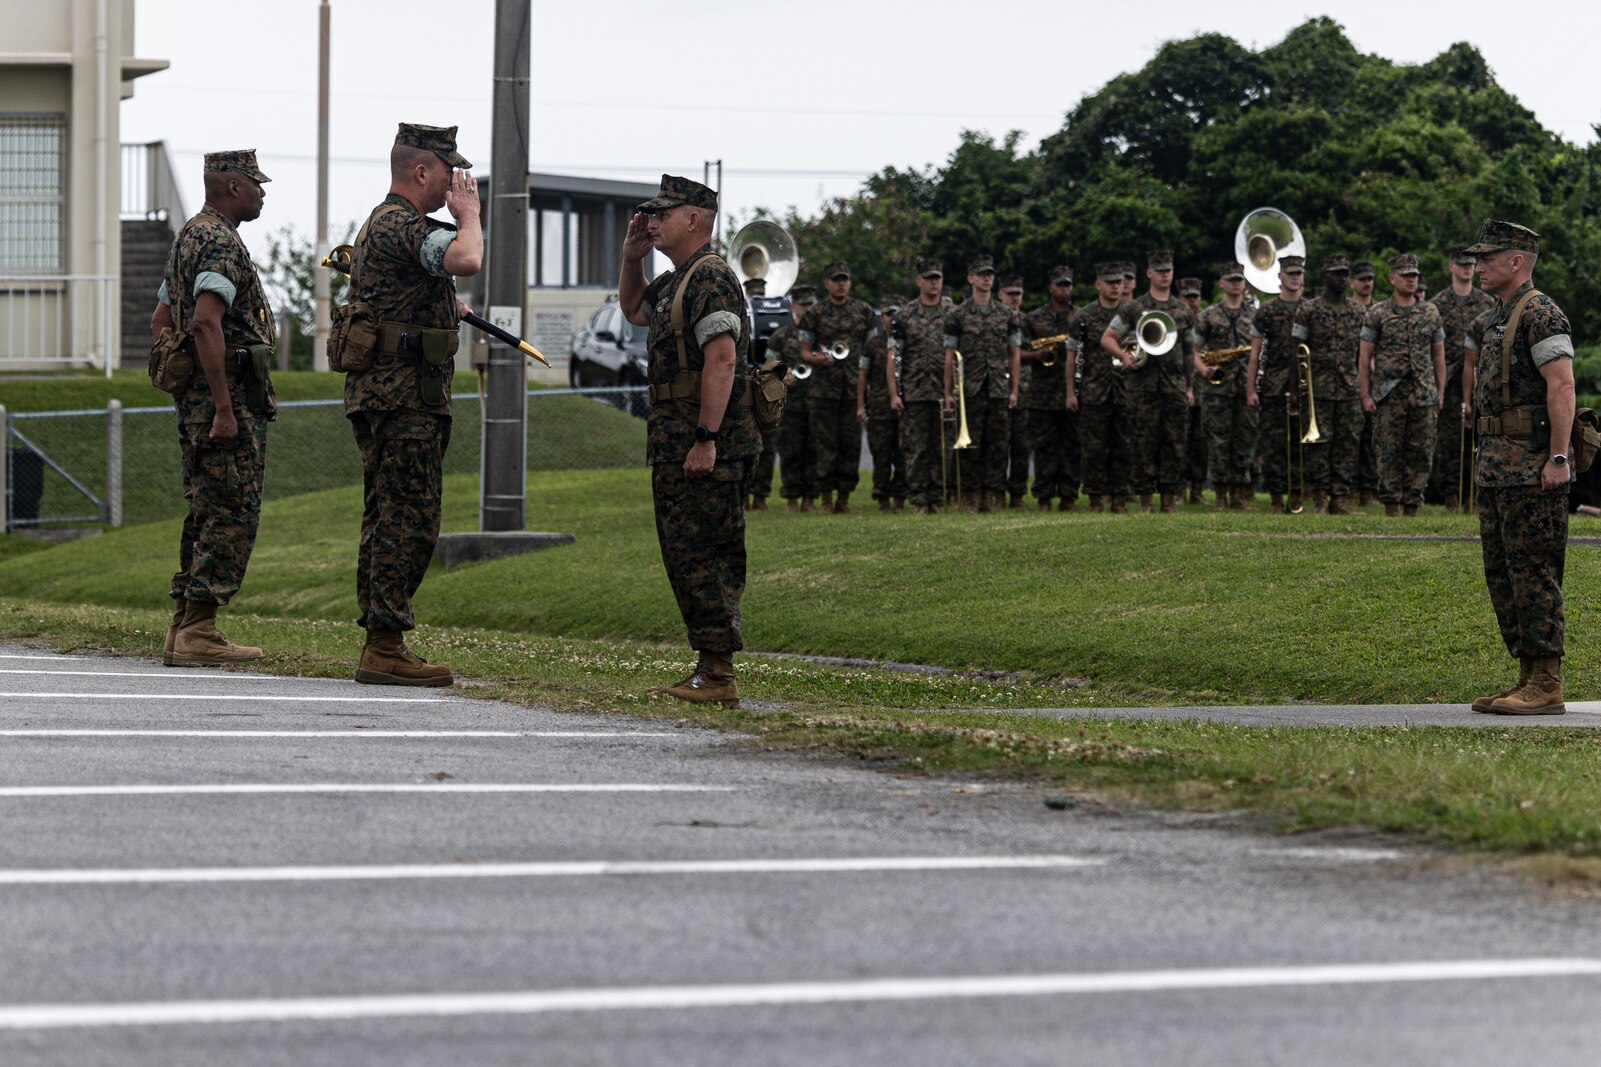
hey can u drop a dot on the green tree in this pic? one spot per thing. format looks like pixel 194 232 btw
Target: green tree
pixel 289 274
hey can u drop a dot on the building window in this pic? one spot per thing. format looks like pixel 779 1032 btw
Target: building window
pixel 32 192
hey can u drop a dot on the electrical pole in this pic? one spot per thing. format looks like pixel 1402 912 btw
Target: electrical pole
pixel 503 482
pixel 320 291
pixel 706 180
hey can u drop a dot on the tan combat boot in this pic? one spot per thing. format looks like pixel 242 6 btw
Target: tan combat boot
pixel 1066 505
pixel 827 506
pixel 1238 495
pixel 900 504
pixel 385 660
pixel 1341 505
pixel 793 504
pixel 198 642
pixel 1452 504
pixel 1044 505
pixel 758 503
pixel 883 503
pixel 1119 505
pixel 1409 510
pixel 1016 501
pixel 1366 497
pixel 1197 496
pixel 1320 502
pixel 985 504
pixel 842 504
pixel 1541 694
pixel 1276 503
pixel 713 682
pixel 1392 511
pixel 809 504
pixel 1170 503
pixel 1525 668
pixel 179 611
pixel 1095 504
pixel 1145 503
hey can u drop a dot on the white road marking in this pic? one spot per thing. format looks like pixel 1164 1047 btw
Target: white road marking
pixel 589 869
pixel 339 733
pixel 530 1002
pixel 38 655
pixel 238 696
pixel 29 791
pixel 1332 855
pixel 198 675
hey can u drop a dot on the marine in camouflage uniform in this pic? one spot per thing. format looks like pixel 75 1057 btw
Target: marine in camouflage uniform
pixel 794 452
pixel 1011 295
pixel 399 408
pixel 1052 429
pixel 882 422
pixel 919 332
pixel 1367 463
pixel 1279 394
pixel 1330 325
pixel 701 442
pixel 834 433
pixel 1459 304
pixel 1522 476
pixel 1189 290
pixel 1096 389
pixel 1230 423
pixel 212 291
pixel 987 333
pixel 1401 380
pixel 1159 391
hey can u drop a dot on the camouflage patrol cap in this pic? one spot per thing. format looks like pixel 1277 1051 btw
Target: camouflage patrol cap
pixel 1062 275
pixel 1405 263
pixel 440 140
pixel 1292 264
pixel 1231 272
pixel 242 160
pixel 981 265
pixel 1160 260
pixel 676 191
pixel 1463 257
pixel 1129 269
pixel 803 294
pixel 1109 272
pixel 1497 236
pixel 1189 287
pixel 837 269
pixel 1361 269
pixel 1011 281
pixel 930 268
pixel 755 286
pixel 1332 264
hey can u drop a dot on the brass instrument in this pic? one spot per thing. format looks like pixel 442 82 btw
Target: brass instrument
pixel 1219 356
pixel 1047 342
pixel 1312 436
pixel 1154 334
pixel 1264 237
pixel 764 249
pixel 840 350
pixel 963 438
pixel 802 372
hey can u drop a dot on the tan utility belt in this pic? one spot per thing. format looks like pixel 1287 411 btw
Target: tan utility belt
pixel 1515 423
pixel 686 386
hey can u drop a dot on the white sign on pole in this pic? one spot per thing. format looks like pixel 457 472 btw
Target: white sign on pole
pixel 507 318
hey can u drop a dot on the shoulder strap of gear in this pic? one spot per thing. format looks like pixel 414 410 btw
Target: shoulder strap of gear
pixel 682 286
pixel 1508 338
pixel 358 257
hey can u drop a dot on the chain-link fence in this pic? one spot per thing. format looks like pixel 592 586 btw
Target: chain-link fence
pixel 122 464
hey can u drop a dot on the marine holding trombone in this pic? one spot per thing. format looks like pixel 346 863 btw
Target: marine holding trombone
pixel 1328 327
pixel 1274 365
pixel 983 363
pixel 914 377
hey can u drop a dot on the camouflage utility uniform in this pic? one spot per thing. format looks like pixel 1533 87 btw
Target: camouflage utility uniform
pixel 1103 425
pixel 1456 315
pixel 985 334
pixel 401 432
pixel 1230 423
pixel 833 432
pixel 1276 388
pixel 794 469
pixel 1158 394
pixel 921 330
pixel 1042 403
pixel 700 522
pixel 1403 387
pixel 222 483
pixel 883 423
pixel 1333 335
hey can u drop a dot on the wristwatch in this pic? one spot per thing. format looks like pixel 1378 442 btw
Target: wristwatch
pixel 703 434
pixel 1559 459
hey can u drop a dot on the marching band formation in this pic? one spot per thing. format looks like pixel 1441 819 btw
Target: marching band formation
pixel 1329 399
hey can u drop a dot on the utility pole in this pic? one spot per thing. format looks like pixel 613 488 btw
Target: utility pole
pixel 320 291
pixel 706 180
pixel 502 502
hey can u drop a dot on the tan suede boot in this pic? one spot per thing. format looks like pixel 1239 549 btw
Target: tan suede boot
pixel 1341 505
pixel 827 506
pixel 1170 503
pixel 1119 505
pixel 1145 503
pixel 198 642
pixel 809 504
pixel 1366 497
pixel 1451 503
pixel 180 609
pixel 793 504
pixel 1276 503
pixel 1196 494
pixel 1540 695
pixel 883 504
pixel 984 502
pixel 1096 505
pixel 1044 505
pixel 1238 495
pixel 1525 668
pixel 900 504
pixel 385 660
pixel 1016 501
pixel 842 504
pixel 1392 511
pixel 758 503
pixel 1320 502
pixel 1409 510
pixel 713 682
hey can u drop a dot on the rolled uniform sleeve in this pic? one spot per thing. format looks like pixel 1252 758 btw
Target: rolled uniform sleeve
pixel 1547 330
pixel 717 322
pixel 432 253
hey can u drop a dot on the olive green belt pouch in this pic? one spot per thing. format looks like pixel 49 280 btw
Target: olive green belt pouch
pixel 172 360
pixel 259 370
pixel 436 349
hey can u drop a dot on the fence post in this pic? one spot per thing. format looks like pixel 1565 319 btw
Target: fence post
pixel 286 327
pixel 114 462
pixel 5 472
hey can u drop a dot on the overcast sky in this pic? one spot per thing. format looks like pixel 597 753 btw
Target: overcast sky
pixel 799 101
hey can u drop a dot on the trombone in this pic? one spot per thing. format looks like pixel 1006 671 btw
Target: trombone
pixel 1310 435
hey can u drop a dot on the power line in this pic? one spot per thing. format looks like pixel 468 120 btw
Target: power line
pixel 577 169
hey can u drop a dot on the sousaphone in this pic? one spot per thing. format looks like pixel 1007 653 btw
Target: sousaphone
pixel 1266 236
pixel 764 249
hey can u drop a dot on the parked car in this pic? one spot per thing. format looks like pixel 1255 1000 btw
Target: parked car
pixel 609 350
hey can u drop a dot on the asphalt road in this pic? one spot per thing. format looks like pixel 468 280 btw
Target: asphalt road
pixel 210 868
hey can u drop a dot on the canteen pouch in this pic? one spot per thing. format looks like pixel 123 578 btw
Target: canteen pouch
pixel 352 337
pixel 172 360
pixel 1586 440
pixel 768 395
pixel 435 351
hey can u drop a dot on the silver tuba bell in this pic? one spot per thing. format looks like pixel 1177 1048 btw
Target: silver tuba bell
pixel 1266 236
pixel 764 249
pixel 1155 334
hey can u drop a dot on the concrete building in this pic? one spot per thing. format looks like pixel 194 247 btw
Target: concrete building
pixel 65 68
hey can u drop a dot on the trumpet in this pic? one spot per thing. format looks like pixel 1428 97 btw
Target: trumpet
pixel 839 350
pixel 1047 342
pixel 802 372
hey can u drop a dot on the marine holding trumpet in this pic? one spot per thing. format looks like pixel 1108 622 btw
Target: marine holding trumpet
pixel 830 333
pixel 914 377
pixel 794 451
pixel 986 336
pixel 1330 327
pixel 1052 429
pixel 1096 386
pixel 1273 363
pixel 1230 423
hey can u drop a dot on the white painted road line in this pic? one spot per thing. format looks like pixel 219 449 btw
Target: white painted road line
pixel 532 1002
pixel 590 869
pixel 436 788
pixel 238 696
pixel 340 733
pixel 198 675
pixel 39 655
pixel 1332 854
